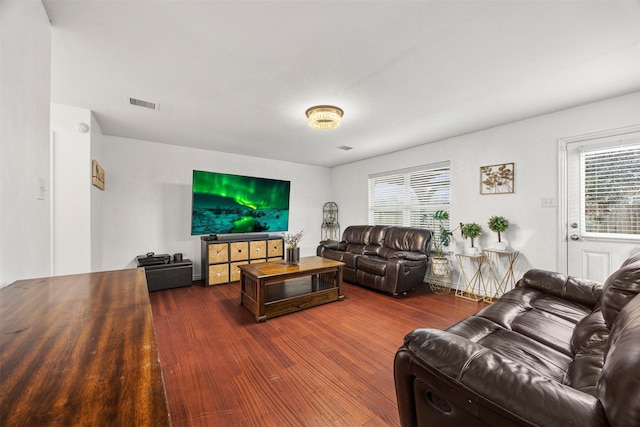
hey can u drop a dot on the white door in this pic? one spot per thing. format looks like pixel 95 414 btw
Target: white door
pixel 603 204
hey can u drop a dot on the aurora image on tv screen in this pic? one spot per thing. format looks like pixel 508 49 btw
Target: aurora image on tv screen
pixel 224 204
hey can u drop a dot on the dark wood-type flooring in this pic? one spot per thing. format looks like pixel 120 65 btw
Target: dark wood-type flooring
pixel 330 365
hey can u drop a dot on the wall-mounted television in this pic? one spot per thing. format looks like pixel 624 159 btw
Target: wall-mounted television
pixel 224 204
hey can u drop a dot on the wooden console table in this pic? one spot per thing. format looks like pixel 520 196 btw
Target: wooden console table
pixel 80 350
pixel 272 289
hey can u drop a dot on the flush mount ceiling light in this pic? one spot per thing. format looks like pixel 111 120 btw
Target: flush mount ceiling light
pixel 324 117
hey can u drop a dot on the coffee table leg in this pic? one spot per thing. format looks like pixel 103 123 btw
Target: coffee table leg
pixel 339 278
pixel 260 316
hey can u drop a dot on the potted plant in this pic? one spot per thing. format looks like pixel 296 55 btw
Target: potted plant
pixel 499 224
pixel 440 263
pixel 471 230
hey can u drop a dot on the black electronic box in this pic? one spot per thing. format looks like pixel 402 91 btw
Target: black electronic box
pixel 153 259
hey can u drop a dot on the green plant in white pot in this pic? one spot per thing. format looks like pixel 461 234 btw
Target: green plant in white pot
pixel 440 263
pixel 499 224
pixel 471 231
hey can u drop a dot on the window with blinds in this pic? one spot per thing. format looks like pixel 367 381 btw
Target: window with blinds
pixel 410 197
pixel 611 192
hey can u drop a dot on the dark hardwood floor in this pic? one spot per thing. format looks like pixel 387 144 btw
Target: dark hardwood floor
pixel 330 365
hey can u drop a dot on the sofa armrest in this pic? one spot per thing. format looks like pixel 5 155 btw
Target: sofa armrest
pixel 389 254
pixel 411 256
pixel 583 291
pixel 498 386
pixel 333 244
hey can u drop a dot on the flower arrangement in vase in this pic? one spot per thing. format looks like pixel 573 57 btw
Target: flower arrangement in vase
pixel 293 251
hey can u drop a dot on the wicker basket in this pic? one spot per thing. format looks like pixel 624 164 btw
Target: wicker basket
pixel 440 277
pixel 440 287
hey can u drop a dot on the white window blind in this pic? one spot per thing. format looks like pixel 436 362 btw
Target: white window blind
pixel 410 197
pixel 611 187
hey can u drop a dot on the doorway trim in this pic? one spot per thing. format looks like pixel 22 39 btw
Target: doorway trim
pixel 563 179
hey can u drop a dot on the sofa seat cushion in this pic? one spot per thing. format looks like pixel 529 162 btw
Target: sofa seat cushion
pixel 350 260
pixel 545 360
pixel 545 318
pixel 373 265
pixel 546 328
pixel 531 327
pixel 520 348
pixel 333 254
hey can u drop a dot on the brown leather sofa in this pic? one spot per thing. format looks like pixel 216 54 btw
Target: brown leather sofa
pixel 554 351
pixel 389 259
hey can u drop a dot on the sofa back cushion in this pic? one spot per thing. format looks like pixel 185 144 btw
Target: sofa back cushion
pixel 587 292
pixel 619 386
pixel 408 239
pixel 620 288
pixel 357 234
pixel 589 346
pixel 364 239
pixel 377 234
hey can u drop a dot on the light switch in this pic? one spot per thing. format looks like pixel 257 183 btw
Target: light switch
pixel 548 202
pixel 41 188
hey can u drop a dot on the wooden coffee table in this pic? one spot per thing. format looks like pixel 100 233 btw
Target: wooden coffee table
pixel 272 289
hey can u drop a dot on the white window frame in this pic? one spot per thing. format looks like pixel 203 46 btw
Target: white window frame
pixel 610 171
pixel 420 192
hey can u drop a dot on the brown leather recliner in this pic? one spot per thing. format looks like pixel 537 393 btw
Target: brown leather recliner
pixel 389 259
pixel 554 351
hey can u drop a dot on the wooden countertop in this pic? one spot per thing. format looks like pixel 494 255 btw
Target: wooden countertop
pixel 80 350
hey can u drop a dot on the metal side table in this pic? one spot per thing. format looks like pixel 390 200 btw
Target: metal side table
pixel 471 288
pixel 500 281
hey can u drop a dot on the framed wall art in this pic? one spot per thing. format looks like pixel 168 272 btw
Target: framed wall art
pixel 497 179
pixel 97 175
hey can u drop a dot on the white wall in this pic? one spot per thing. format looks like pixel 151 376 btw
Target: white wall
pixel 96 199
pixel 71 191
pixel 531 144
pixel 147 197
pixel 25 57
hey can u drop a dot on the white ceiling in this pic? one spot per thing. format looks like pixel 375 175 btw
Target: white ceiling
pixel 237 76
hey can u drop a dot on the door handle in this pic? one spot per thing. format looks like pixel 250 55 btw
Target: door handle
pixel 574 225
pixel 575 237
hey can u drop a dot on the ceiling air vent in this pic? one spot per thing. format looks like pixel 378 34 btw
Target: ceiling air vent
pixel 345 147
pixel 142 103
